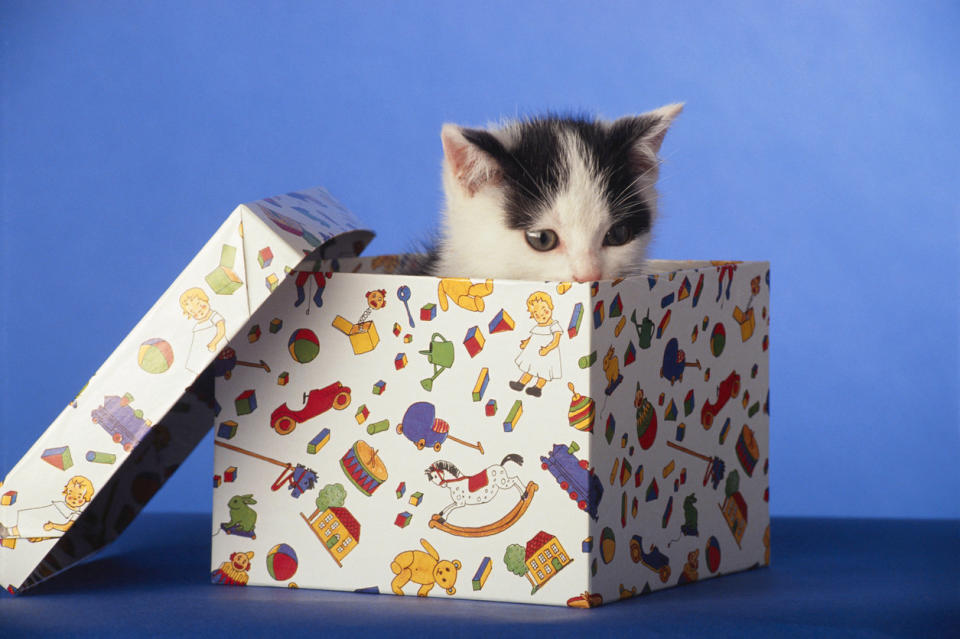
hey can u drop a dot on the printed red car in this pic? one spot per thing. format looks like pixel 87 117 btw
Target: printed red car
pixel 727 389
pixel 316 402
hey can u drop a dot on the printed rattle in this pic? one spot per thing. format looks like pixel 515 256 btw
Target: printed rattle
pixel 403 294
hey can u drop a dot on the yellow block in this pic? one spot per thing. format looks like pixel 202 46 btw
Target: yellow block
pixel 8 542
pixel 668 469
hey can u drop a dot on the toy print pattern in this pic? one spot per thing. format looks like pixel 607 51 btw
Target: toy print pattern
pixel 132 424
pixel 633 473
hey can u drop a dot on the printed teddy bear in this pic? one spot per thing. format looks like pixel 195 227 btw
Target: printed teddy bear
pixel 424 569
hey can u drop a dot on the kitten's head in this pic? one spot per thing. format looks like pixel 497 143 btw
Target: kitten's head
pixel 551 198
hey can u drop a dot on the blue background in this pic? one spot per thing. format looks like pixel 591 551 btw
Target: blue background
pixel 821 136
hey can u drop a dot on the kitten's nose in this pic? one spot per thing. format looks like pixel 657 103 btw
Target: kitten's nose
pixel 589 276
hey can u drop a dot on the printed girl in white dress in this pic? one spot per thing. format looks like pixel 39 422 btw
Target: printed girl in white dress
pixel 539 356
pixel 208 332
pixel 54 519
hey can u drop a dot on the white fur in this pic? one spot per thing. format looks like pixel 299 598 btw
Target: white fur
pixel 477 242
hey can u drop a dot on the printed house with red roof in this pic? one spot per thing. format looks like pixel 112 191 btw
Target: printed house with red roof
pixel 338 530
pixel 545 556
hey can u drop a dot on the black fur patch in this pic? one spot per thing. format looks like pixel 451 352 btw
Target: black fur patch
pixel 534 169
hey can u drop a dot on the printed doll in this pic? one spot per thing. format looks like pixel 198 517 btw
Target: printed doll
pixel 208 332
pixel 539 356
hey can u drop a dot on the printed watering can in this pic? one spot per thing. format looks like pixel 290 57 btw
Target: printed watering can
pixel 440 354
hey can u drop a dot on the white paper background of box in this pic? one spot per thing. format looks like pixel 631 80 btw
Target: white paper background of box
pixel 697 298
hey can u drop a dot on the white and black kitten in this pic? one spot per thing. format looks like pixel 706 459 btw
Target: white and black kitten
pixel 549 198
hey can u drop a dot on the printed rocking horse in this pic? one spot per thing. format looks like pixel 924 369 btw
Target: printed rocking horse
pixel 478 489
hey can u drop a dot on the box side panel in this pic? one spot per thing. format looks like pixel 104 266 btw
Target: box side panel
pixel 683 446
pixel 136 386
pixel 321 479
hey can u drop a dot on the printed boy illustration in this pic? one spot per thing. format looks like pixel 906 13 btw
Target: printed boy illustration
pixel 210 328
pixel 539 356
pixel 44 522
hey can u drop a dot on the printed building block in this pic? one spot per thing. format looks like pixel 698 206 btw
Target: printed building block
pixel 271 282
pixel 276 324
pixel 666 301
pixel 217 480
pixel 501 322
pixel 227 429
pixel 97 457
pixel 616 307
pixel 481 386
pixel 573 328
pixel 223 279
pixel 230 474
pixel 403 519
pixel 254 333
pixel 283 378
pixel 670 414
pixel 684 291
pixel 664 323
pixel 474 341
pixel 362 413
pixel 688 403
pixel 416 498
pixel 407 338
pixel 379 387
pixel 319 441
pixel 378 427
pixel 428 312
pixel 401 489
pixel 510 423
pixel 598 314
pixel 611 428
pixel 400 361
pixel 9 498
pixel 491 408
pixel 246 402
pixel 59 457
pixel 483 572
pixel 588 360
pixel 630 356
pixel 265 257
pixel 396 329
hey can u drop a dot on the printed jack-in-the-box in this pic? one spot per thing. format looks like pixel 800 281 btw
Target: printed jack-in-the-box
pixel 539 442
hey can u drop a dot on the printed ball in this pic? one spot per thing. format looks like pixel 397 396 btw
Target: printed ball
pixel 608 545
pixel 718 339
pixel 713 554
pixel 282 562
pixel 155 356
pixel 303 345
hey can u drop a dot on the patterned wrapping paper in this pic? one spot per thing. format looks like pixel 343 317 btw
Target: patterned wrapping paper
pixel 399 443
pixel 126 432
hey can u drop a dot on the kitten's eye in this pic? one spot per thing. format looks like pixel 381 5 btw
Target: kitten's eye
pixel 545 240
pixel 618 235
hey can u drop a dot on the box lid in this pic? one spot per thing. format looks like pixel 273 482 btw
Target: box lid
pixel 149 404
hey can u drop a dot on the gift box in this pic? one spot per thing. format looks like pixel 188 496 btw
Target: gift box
pixel 603 476
pixel 521 427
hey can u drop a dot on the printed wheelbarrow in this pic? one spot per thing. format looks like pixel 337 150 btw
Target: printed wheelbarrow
pixel 316 402
pixel 421 426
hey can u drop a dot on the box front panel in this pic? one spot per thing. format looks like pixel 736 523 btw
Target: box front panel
pixel 412 435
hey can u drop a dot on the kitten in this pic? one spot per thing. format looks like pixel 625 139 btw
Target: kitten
pixel 549 198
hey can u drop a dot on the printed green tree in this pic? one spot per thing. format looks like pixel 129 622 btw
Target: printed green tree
pixel 331 495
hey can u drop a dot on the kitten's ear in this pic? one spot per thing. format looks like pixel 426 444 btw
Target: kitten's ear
pixel 471 167
pixel 660 119
pixel 646 132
